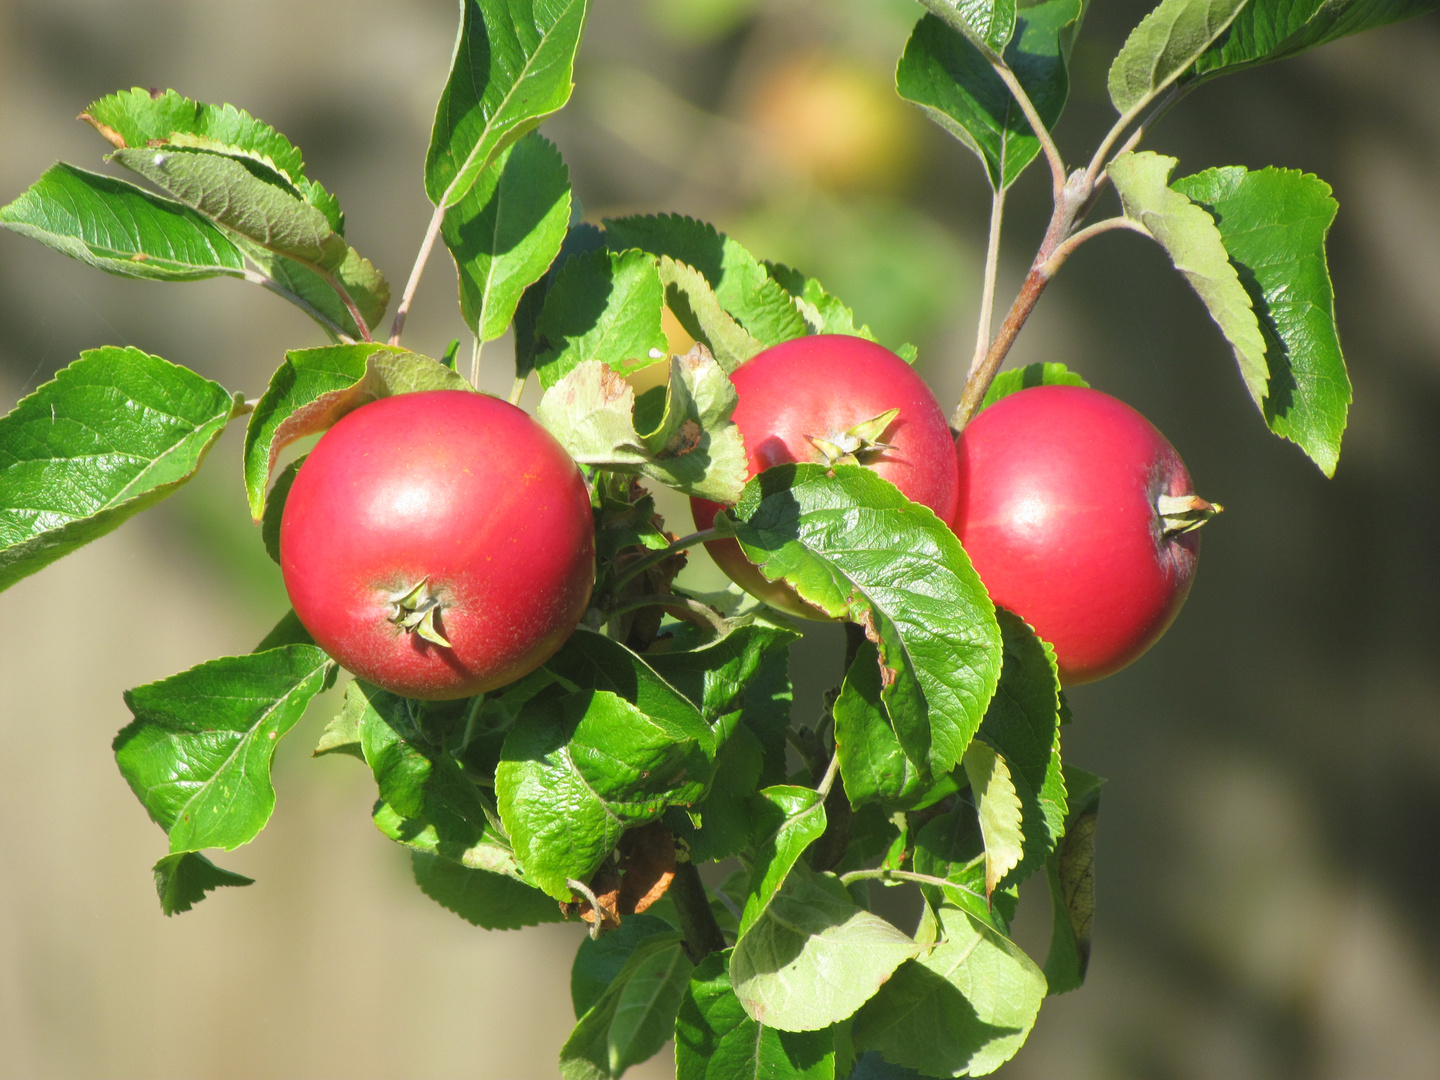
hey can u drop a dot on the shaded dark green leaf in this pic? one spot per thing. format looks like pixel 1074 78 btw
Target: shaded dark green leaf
pixel 634 1017
pixel 183 879
pixel 599 960
pixel 480 897
pixel 956 86
pixel 715 1040
pixel 1071 872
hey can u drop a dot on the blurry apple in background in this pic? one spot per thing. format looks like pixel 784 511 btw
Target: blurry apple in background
pixel 833 121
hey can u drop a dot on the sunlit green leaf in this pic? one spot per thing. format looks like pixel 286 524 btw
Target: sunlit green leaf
pixel 851 545
pixel 112 434
pixel 1274 223
pixel 1190 236
pixel 1000 811
pixel 1165 43
pixel 740 281
pixel 198 753
pixel 691 299
pixel 505 233
pixel 1023 378
pixel 787 820
pixel 962 1009
pixel 121 229
pixel 814 957
pixel 1267 30
pixel 512 67
pixel 602 306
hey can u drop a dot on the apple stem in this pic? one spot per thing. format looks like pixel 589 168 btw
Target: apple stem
pixel 1184 513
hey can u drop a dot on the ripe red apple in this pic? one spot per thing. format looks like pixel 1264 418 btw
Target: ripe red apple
pixel 438 544
pixel 1079 517
pixel 835 398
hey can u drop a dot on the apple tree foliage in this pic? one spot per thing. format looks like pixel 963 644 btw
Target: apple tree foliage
pixel 648 745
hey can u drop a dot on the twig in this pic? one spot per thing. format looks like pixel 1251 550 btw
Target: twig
pixel 1047 142
pixel 1065 250
pixel 992 266
pixel 595 908
pixel 436 220
pixel 713 617
pixel 692 905
pixel 883 874
pixel 828 780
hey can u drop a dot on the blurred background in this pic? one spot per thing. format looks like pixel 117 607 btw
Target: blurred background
pixel 1269 847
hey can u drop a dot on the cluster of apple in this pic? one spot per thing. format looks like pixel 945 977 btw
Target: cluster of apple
pixel 440 544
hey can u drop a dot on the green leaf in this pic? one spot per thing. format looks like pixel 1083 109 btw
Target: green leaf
pixel 691 299
pixel 121 229
pixel 766 707
pixel 851 545
pixel 1042 374
pixel 1165 43
pixel 1192 240
pixel 275 507
pixel 426 801
pixel 787 820
pixel 599 960
pixel 950 847
pixel 1071 872
pixel 591 661
pixel 814 957
pixel 958 89
pixel 715 1040
pixel 139 118
pixel 512 68
pixel 634 1017
pixel 872 762
pixel 242 195
pixel 314 388
pixel 991 21
pixel 199 750
pixel 963 1009
pixel 112 434
pixel 288 631
pixel 506 232
pixel 1267 30
pixel 1273 223
pixel 690 444
pixel 714 675
pixel 482 898
pixel 1000 810
pixel 579 769
pixel 342 733
pixel 182 880
pixel 580 240
pixel 726 813
pixel 824 313
pixel 1022 726
pixel 602 306
pixel 271 221
pixel 740 281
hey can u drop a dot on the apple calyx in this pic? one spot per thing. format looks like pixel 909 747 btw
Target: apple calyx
pixel 415 612
pixel 854 445
pixel 1184 513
